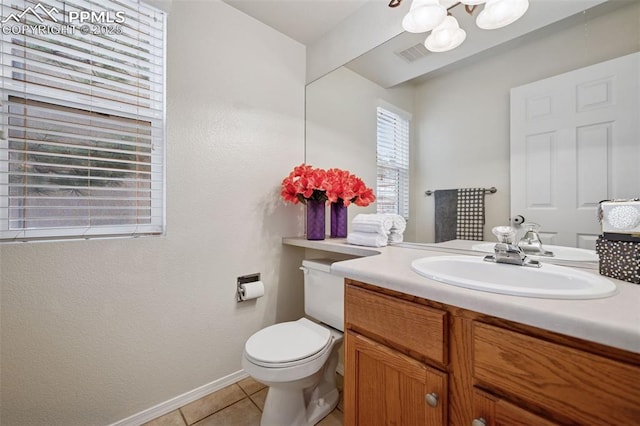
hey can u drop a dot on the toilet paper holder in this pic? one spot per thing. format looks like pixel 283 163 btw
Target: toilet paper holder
pixel 244 280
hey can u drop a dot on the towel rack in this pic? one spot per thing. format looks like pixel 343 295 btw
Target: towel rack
pixel 491 190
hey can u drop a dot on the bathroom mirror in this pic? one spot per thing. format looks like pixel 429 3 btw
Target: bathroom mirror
pixel 460 113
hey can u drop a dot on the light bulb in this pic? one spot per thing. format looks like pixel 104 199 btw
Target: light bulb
pixel 500 13
pixel 446 36
pixel 424 16
pixel 418 3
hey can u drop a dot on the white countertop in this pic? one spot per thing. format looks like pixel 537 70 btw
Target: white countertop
pixel 612 321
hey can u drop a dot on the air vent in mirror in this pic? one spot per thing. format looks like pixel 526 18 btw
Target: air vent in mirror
pixel 413 53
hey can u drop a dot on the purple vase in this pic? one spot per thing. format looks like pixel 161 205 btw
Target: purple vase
pixel 315 220
pixel 338 219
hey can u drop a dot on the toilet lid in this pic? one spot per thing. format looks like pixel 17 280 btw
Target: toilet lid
pixel 287 341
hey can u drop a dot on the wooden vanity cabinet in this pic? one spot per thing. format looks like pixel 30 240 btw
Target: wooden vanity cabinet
pixel 387 381
pixel 410 361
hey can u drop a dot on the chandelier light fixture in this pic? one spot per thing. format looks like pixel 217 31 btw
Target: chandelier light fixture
pixel 446 34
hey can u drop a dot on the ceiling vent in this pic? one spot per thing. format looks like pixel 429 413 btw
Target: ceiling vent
pixel 413 53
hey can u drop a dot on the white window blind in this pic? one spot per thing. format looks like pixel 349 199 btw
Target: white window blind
pixel 393 162
pixel 82 119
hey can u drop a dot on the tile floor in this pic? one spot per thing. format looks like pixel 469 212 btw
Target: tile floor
pixel 240 404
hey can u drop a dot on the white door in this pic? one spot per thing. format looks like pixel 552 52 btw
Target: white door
pixel 575 140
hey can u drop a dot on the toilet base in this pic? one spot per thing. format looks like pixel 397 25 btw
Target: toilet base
pixel 321 408
pixel 288 405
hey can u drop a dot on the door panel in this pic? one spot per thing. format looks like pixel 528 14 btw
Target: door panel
pixel 575 141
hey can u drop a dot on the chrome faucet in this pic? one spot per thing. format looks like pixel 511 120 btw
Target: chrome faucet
pixel 512 255
pixel 530 242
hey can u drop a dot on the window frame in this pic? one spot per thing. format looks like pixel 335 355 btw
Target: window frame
pixel 115 110
pixel 400 161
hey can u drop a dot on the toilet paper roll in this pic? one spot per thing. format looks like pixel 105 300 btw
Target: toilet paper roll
pixel 252 290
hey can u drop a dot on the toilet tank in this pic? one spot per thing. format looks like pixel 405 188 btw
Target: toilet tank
pixel 323 292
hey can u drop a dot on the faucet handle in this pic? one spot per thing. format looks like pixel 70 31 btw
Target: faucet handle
pixel 508 249
pixel 505 234
pixel 511 254
pixel 530 242
pixel 531 226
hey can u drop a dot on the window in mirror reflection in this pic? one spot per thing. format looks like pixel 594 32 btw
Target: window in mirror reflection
pixel 393 161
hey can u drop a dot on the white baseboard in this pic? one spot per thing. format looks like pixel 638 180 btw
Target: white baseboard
pixel 187 397
pixel 181 400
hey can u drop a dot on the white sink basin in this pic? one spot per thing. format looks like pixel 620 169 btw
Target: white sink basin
pixel 548 281
pixel 559 252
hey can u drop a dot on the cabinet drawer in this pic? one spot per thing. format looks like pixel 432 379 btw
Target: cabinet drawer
pixel 405 325
pixel 562 381
pixel 497 412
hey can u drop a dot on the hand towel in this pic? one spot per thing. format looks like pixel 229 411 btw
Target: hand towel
pixel 470 218
pixel 372 228
pixel 459 214
pixel 375 223
pixel 399 224
pixel 370 239
pixel 446 206
pixel 395 237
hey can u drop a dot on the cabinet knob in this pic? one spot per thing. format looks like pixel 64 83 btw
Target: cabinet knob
pixel 479 422
pixel 432 399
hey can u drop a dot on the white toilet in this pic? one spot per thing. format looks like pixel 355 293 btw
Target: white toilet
pixel 298 359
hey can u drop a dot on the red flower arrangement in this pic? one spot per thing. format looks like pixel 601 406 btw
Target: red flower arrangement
pixel 349 188
pixel 304 183
pixel 308 183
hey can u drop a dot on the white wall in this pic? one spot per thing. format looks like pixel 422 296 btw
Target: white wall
pixel 462 116
pixel 341 124
pixel 95 331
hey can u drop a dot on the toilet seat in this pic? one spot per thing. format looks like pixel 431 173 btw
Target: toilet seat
pixel 288 344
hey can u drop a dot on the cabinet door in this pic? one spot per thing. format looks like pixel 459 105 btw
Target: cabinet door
pixel 385 387
pixel 491 411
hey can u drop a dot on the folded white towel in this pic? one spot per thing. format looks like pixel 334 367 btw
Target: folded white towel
pixel 378 223
pixel 395 237
pixel 399 224
pixel 373 228
pixel 370 239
